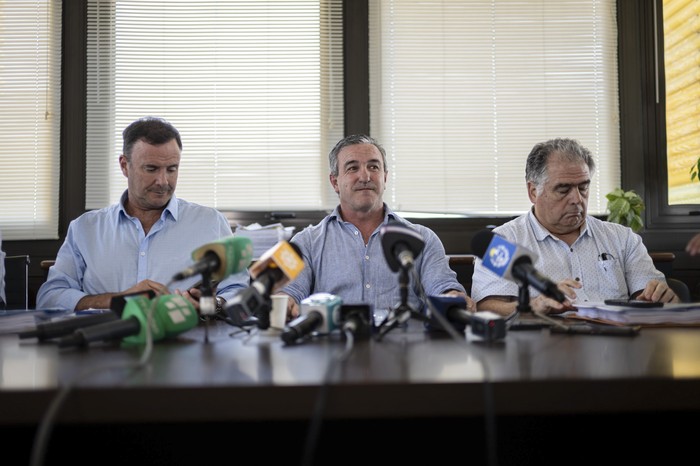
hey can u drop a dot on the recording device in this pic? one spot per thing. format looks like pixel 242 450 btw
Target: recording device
pixel 278 265
pixel 172 315
pixel 632 303
pixel 513 262
pixel 401 245
pixel 356 319
pixel 221 258
pixel 319 313
pixel 488 325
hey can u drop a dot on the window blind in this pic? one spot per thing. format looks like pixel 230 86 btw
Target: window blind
pixel 255 89
pixel 30 97
pixel 460 92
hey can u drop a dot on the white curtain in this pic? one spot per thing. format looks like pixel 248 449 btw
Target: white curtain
pixel 30 120
pixel 255 89
pixel 461 90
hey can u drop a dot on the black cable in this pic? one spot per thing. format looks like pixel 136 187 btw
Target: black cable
pixel 43 434
pixel 489 410
pixel 317 415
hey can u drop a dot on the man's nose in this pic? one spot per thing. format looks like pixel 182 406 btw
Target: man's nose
pixel 162 177
pixel 365 174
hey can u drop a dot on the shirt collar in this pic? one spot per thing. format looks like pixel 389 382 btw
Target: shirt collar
pixel 172 207
pixel 541 233
pixel 388 214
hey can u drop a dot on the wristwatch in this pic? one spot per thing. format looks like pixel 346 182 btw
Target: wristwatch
pixel 220 302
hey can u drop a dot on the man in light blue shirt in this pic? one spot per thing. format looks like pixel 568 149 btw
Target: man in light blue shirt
pixel 3 299
pixel 589 259
pixel 139 243
pixel 343 253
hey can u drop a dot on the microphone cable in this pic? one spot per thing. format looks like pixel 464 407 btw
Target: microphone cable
pixel 317 414
pixel 45 426
pixel 489 410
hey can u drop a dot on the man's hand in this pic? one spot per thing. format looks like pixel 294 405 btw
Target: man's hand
pixel 658 292
pixel 471 305
pixel 103 301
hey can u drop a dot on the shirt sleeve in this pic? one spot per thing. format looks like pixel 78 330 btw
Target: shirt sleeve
pixel 436 275
pixel 235 283
pixel 63 286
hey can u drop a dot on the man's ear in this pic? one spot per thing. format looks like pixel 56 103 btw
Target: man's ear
pixel 532 191
pixel 123 163
pixel 334 182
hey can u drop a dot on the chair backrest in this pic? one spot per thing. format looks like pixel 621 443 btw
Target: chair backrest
pixel 17 282
pixel 680 288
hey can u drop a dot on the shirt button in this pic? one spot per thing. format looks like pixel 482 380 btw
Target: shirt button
pixel 368 285
pixel 571 249
pixel 357 233
pixel 143 253
pixel 577 279
pixel 366 258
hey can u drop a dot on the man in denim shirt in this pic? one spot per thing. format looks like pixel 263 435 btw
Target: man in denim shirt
pixel 343 253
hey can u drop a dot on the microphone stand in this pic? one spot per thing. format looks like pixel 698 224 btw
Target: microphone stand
pixel 207 303
pixel 523 298
pixel 403 311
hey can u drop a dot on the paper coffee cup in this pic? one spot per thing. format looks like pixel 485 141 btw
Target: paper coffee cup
pixel 278 315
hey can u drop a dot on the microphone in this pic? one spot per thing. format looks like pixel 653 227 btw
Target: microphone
pixel 453 308
pixel 512 262
pixel 172 315
pixel 356 319
pixel 484 324
pixel 320 312
pixel 48 330
pixel 401 245
pixel 221 258
pixel 277 266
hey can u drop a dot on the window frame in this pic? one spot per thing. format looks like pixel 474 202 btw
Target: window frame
pixel 643 126
pixel 639 122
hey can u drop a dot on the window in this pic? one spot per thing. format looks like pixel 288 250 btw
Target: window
pixel 681 26
pixel 460 92
pixel 30 97
pixel 255 89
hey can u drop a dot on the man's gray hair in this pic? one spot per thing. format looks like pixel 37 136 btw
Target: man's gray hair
pixel 569 149
pixel 350 141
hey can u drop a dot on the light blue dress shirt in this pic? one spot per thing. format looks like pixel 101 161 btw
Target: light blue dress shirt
pixel 337 261
pixel 2 272
pixel 106 251
pixel 608 259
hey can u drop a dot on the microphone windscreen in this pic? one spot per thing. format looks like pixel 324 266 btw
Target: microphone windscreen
pixel 234 253
pixel 172 315
pixel 286 256
pixel 396 237
pixel 481 241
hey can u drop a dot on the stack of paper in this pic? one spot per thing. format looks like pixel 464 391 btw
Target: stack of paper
pixel 669 313
pixel 264 237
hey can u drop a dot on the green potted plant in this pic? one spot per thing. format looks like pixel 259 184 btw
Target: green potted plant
pixel 695 171
pixel 625 208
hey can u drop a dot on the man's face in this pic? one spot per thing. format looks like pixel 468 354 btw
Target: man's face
pixel 562 205
pixel 152 173
pixel 361 178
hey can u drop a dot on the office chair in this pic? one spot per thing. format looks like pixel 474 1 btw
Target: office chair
pixel 680 288
pixel 17 282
